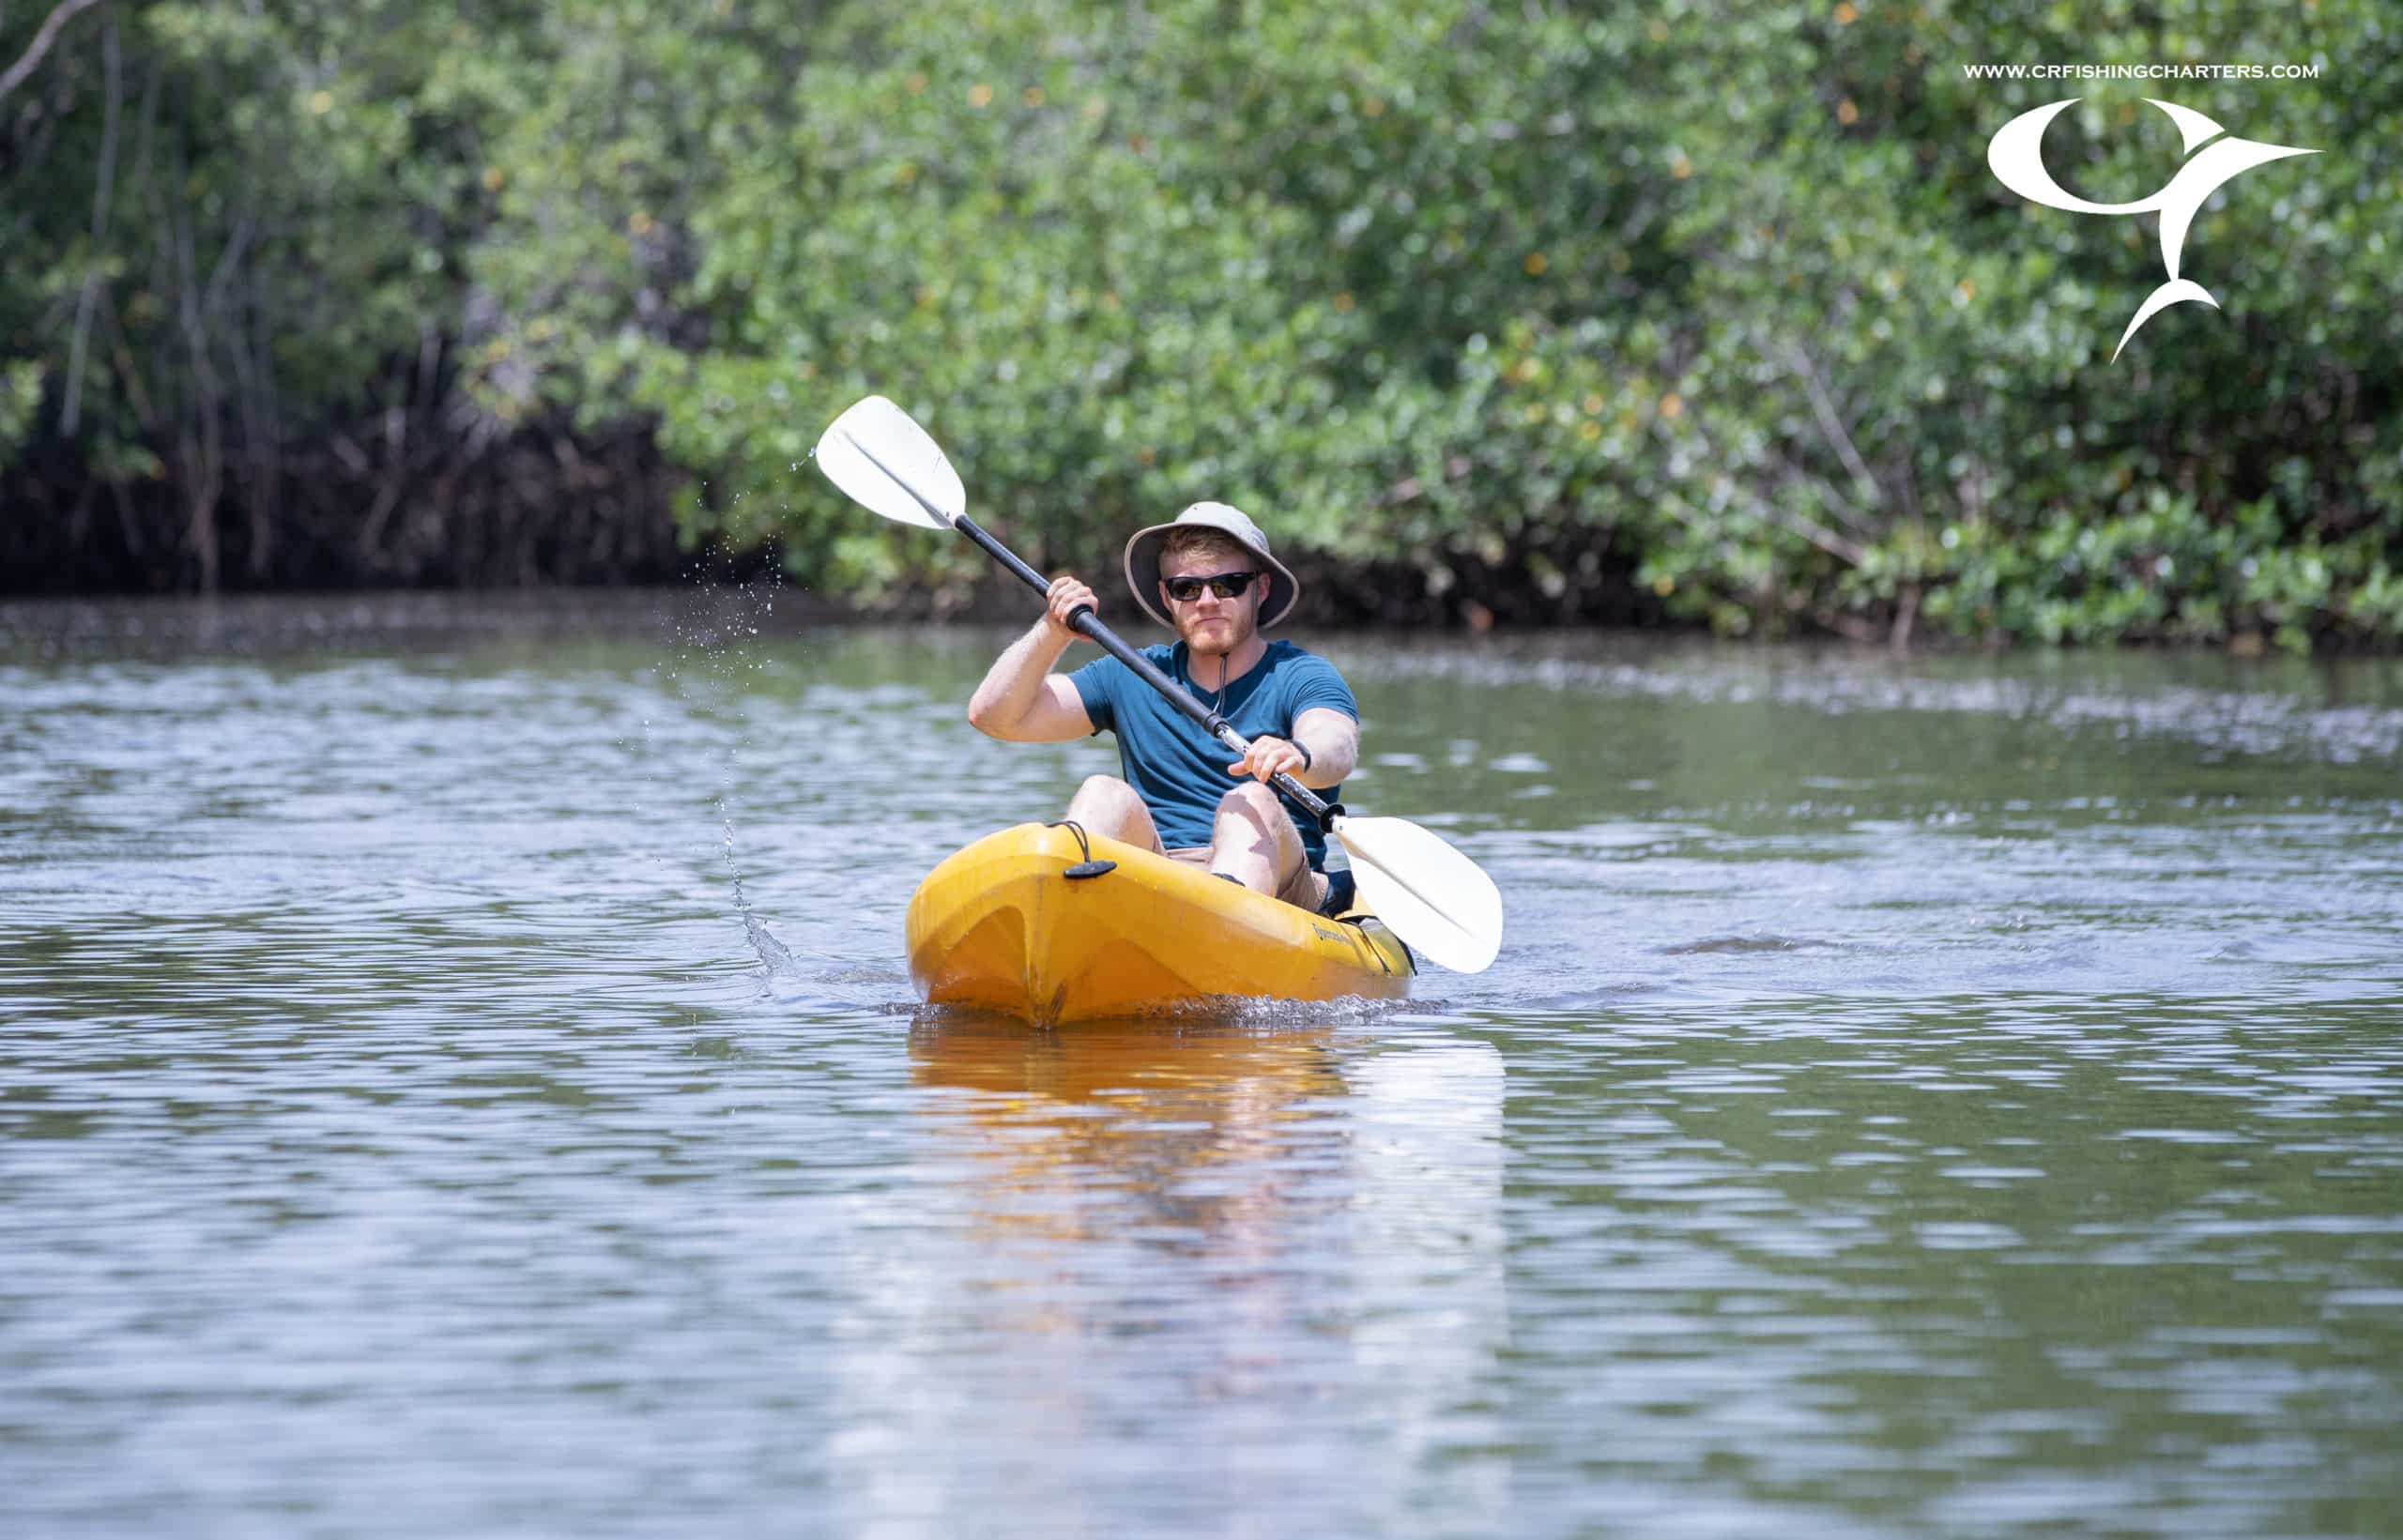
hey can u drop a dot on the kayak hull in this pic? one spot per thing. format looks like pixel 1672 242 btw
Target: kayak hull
pixel 999 925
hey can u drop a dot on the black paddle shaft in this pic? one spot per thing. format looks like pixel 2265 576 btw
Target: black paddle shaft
pixel 1085 620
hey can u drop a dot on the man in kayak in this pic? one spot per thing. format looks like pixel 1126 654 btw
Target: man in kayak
pixel 1209 577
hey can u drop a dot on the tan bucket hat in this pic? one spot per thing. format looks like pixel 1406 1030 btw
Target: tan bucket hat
pixel 1143 560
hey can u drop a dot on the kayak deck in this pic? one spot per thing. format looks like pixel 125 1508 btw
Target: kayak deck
pixel 999 925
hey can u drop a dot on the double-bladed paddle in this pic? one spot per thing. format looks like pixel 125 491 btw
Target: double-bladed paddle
pixel 1431 896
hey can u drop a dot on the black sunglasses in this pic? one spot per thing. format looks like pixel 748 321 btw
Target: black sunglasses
pixel 1185 590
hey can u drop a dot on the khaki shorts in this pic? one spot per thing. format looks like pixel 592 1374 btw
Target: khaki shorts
pixel 1307 891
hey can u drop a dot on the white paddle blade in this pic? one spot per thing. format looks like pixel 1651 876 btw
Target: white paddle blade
pixel 888 464
pixel 1431 896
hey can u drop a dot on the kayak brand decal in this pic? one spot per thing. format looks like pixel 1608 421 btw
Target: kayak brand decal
pixel 2016 153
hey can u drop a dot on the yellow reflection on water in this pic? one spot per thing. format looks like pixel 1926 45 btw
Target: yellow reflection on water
pixel 1165 1247
pixel 1190 1124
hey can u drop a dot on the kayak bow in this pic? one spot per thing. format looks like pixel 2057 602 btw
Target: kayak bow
pixel 1002 925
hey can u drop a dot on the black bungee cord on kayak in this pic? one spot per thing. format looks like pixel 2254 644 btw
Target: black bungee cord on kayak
pixel 1087 867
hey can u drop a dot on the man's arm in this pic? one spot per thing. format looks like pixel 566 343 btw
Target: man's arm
pixel 1333 742
pixel 1332 738
pixel 1022 700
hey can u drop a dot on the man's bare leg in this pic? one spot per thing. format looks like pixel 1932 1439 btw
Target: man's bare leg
pixel 1108 807
pixel 1254 840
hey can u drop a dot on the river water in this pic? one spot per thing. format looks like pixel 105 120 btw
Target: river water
pixel 458 1076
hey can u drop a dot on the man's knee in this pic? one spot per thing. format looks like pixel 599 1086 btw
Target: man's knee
pixel 1104 786
pixel 1108 805
pixel 1254 799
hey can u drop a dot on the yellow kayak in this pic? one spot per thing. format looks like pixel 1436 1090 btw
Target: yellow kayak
pixel 1001 926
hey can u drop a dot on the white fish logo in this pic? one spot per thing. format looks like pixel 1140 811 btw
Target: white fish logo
pixel 2016 154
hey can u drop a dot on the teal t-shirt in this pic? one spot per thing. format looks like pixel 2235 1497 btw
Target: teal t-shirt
pixel 1181 771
